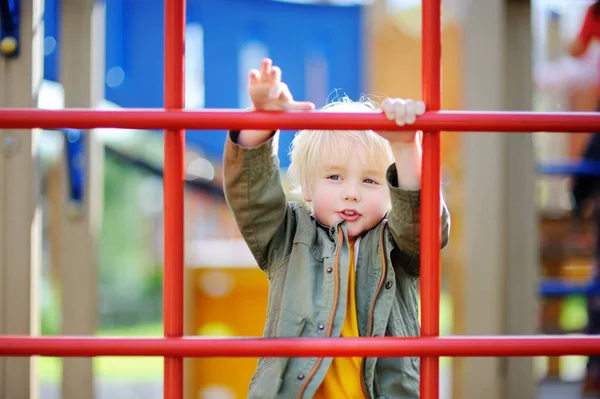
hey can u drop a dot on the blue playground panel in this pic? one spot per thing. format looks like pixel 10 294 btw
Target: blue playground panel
pixel 555 287
pixel 590 168
pixel 319 48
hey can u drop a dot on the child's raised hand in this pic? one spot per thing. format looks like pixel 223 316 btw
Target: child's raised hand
pixel 269 93
pixel 404 112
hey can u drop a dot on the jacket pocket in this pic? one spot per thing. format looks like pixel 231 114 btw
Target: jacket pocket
pixel 407 367
pixel 403 326
pixel 267 380
pixel 318 248
pixel 398 377
pixel 288 359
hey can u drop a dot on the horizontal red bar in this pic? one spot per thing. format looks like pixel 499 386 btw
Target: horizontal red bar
pixel 490 346
pixel 236 119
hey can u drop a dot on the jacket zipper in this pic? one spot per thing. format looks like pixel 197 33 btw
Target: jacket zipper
pixel 336 274
pixel 372 309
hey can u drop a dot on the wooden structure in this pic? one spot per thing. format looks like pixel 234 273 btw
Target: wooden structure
pixel 82 77
pixel 20 209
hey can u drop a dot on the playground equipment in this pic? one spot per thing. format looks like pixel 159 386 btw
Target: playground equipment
pixel 175 346
pixel 237 291
pixel 218 56
pixel 566 264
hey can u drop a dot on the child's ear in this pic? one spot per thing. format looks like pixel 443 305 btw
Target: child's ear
pixel 306 195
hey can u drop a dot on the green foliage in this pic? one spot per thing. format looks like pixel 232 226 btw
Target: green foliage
pixel 130 279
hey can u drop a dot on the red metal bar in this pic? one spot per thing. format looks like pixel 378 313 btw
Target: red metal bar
pixel 430 197
pixel 174 98
pixel 449 121
pixel 481 346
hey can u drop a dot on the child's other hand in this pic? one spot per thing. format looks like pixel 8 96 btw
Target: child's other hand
pixel 404 112
pixel 269 93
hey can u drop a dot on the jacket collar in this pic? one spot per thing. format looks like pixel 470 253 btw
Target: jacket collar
pixel 332 230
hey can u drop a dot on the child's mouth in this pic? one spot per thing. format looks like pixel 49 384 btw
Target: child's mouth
pixel 349 215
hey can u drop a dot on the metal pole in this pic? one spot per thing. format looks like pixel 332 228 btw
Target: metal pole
pixel 469 346
pixel 174 79
pixel 216 119
pixel 430 195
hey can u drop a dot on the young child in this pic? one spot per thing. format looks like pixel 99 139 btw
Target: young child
pixel 346 262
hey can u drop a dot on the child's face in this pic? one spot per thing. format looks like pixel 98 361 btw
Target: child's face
pixel 351 191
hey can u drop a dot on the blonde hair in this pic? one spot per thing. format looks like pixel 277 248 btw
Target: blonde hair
pixel 310 149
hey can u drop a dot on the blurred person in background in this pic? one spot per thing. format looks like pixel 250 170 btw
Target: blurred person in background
pixel 587 187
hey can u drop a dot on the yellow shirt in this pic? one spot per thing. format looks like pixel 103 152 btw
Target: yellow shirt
pixel 344 378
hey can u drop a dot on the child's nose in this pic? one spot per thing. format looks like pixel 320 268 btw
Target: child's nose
pixel 351 191
pixel 351 196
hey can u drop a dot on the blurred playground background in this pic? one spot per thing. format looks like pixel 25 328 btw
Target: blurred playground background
pixel 325 48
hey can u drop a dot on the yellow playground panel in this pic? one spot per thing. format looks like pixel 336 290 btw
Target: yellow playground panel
pixel 227 296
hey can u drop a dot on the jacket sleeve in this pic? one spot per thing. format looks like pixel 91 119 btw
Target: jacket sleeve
pixel 405 224
pixel 255 196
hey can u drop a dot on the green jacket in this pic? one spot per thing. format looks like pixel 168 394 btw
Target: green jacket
pixel 307 267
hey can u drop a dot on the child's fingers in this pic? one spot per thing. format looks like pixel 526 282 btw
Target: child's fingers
pixel 276 74
pixel 387 106
pixel 400 110
pixel 281 92
pixel 411 109
pixel 420 108
pixel 275 91
pixel 253 76
pixel 286 94
pixel 300 106
pixel 265 70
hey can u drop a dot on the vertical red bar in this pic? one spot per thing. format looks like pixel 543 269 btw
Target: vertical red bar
pixel 174 98
pixel 430 195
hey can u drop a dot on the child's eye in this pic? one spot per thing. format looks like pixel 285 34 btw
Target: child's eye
pixel 370 181
pixel 334 177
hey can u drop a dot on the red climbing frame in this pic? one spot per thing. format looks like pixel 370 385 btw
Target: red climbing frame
pixel 431 60
pixel 173 193
pixel 174 346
